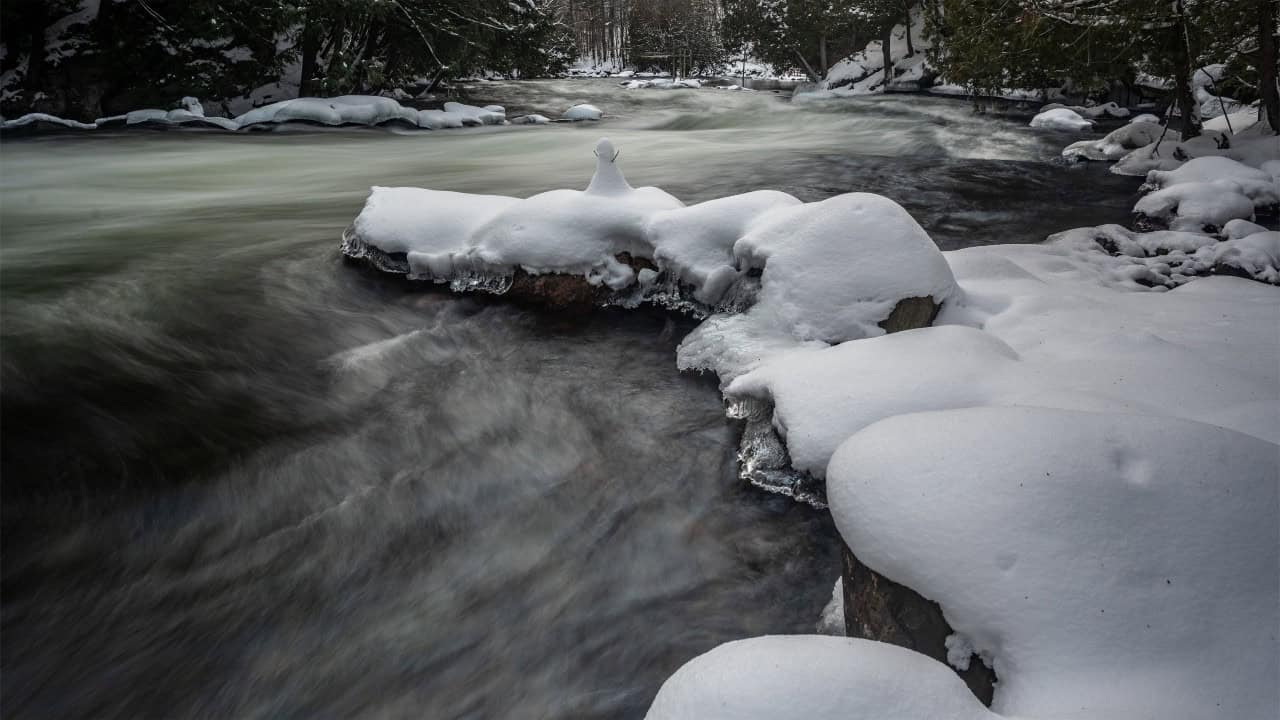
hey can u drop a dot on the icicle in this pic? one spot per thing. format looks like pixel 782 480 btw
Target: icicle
pixel 608 179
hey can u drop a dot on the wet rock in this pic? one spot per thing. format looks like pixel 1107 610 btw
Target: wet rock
pixel 878 608
pixel 911 313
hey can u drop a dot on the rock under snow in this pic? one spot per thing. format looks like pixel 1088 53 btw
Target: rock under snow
pixel 825 272
pixel 1206 193
pixel 341 110
pixel 583 112
pixel 1060 119
pixel 1116 144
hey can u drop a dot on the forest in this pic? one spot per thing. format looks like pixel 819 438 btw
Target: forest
pixel 72 57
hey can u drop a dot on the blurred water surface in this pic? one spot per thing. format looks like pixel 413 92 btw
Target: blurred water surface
pixel 241 479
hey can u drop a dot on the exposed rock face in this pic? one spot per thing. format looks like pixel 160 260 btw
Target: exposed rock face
pixel 911 313
pixel 878 608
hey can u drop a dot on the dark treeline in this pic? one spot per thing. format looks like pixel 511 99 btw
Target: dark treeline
pixel 1087 45
pixel 679 36
pixel 134 53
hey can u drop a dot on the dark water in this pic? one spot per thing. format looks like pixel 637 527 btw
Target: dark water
pixel 241 479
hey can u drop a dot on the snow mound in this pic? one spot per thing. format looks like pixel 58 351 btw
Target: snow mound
pixel 863 72
pixel 439 119
pixel 802 253
pixel 1060 119
pixel 1147 118
pixel 1093 112
pixel 1206 193
pixel 1085 553
pixel 341 110
pixel 583 112
pixel 530 120
pixel 820 273
pixel 1116 144
pixel 1195 206
pixel 830 271
pixel 814 678
pixel 472 115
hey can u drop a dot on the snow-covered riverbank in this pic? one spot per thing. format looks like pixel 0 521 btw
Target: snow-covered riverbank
pixel 345 110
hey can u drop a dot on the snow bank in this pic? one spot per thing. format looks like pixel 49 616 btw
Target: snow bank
pixel 1109 564
pixel 1060 119
pixel 583 112
pixel 343 110
pixel 814 678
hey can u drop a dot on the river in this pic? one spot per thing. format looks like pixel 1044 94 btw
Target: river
pixel 242 479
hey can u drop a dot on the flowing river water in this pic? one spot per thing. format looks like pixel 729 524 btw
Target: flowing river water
pixel 242 479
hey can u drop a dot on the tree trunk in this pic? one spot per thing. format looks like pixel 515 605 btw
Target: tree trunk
pixel 1185 99
pixel 807 67
pixel 310 51
pixel 1268 13
pixel 886 39
pixel 822 54
pixel 906 13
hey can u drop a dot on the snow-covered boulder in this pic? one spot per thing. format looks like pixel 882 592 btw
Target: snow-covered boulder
pixel 583 112
pixel 1093 112
pixel 830 271
pixel 1256 255
pixel 1060 119
pixel 1206 193
pixel 1147 118
pixel 814 677
pixel 342 110
pixel 825 272
pixel 1083 553
pixel 1202 206
pixel 473 115
pixel 1116 144
pixel 439 119
pixel 530 120
pixel 696 243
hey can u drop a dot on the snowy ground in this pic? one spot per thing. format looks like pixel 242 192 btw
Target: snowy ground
pixel 1078 461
